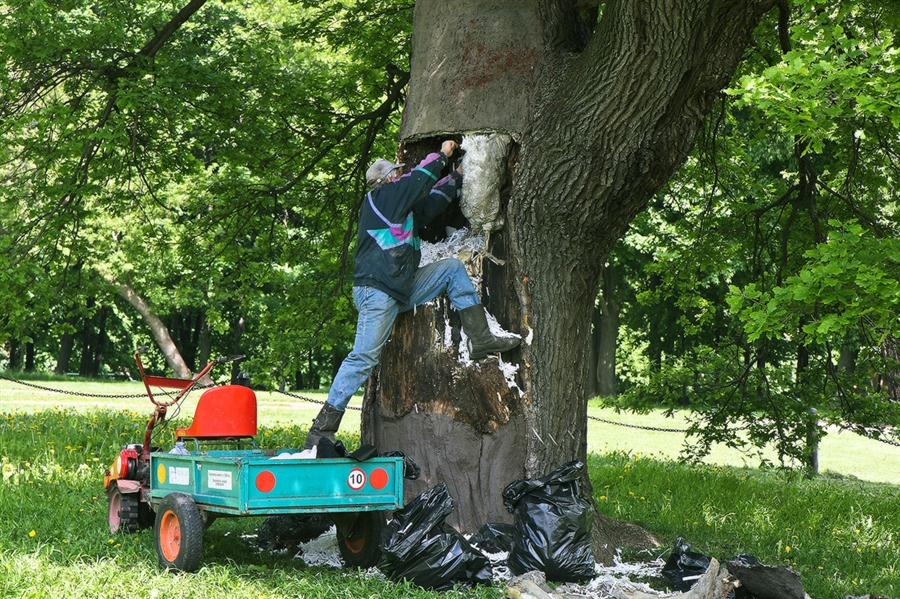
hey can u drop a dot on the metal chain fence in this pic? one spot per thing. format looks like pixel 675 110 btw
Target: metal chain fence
pixel 309 399
pixel 863 433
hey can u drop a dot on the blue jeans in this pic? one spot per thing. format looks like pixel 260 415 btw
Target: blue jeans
pixel 377 312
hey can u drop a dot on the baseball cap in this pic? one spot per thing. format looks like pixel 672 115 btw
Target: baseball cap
pixel 380 169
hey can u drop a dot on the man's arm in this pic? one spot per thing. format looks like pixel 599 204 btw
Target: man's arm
pixel 442 194
pixel 419 184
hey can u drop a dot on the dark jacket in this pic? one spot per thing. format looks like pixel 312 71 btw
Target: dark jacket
pixel 388 244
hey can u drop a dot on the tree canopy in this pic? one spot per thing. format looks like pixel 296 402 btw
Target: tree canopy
pixel 762 280
pixel 208 156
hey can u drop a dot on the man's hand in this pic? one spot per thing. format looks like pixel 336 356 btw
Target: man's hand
pixel 448 147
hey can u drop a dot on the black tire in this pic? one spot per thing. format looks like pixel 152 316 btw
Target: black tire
pixel 146 515
pixel 124 510
pixel 179 533
pixel 359 538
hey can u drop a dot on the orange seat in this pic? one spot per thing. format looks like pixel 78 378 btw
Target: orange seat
pixel 228 411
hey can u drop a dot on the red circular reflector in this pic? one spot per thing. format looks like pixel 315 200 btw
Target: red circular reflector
pixel 121 466
pixel 265 481
pixel 378 479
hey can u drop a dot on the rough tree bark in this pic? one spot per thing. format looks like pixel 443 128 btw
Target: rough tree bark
pixel 600 117
pixel 66 343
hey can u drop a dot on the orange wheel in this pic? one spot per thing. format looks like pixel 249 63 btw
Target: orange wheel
pixel 355 545
pixel 179 533
pixel 359 538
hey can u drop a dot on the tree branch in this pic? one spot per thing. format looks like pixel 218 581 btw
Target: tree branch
pixel 384 110
pixel 92 145
pixel 162 36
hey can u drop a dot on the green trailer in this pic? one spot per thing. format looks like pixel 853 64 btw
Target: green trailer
pixel 180 494
pixel 188 491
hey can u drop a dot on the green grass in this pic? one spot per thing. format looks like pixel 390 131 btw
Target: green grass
pixel 840 453
pixel 842 535
pixel 54 541
pixel 838 531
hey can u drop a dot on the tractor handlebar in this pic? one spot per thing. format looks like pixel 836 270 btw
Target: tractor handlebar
pixel 235 358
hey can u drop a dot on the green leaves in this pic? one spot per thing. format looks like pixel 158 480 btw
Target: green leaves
pixel 783 227
pixel 851 280
pixel 220 175
pixel 833 73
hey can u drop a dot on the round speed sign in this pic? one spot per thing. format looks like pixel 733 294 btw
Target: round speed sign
pixel 357 479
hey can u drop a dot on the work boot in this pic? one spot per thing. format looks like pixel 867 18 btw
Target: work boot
pixel 481 341
pixel 325 424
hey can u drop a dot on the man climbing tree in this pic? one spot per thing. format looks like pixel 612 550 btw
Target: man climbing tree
pixel 578 119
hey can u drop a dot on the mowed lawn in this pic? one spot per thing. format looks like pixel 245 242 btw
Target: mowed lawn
pixel 838 531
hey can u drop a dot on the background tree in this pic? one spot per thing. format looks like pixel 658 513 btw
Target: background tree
pixel 193 163
pixel 791 153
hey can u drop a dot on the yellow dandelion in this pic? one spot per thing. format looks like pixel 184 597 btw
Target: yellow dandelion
pixel 32 533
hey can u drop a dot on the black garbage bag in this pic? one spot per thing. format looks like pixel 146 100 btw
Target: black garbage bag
pixel 287 531
pixel 411 470
pixel 326 448
pixel 494 537
pixel 553 525
pixel 684 567
pixel 419 547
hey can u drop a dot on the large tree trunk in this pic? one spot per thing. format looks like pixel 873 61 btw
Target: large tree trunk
pixel 88 342
pixel 598 124
pixel 29 356
pixel 66 343
pixel 99 342
pixel 15 355
pixel 593 383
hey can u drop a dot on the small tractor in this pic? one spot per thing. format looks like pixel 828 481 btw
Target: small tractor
pixel 180 494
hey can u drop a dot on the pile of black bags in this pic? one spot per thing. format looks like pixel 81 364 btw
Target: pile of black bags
pixel 552 533
pixel 418 546
pixel 553 525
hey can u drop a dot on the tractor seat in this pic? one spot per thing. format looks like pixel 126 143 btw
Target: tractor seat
pixel 223 412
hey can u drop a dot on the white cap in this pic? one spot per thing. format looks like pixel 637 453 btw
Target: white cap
pixel 380 169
